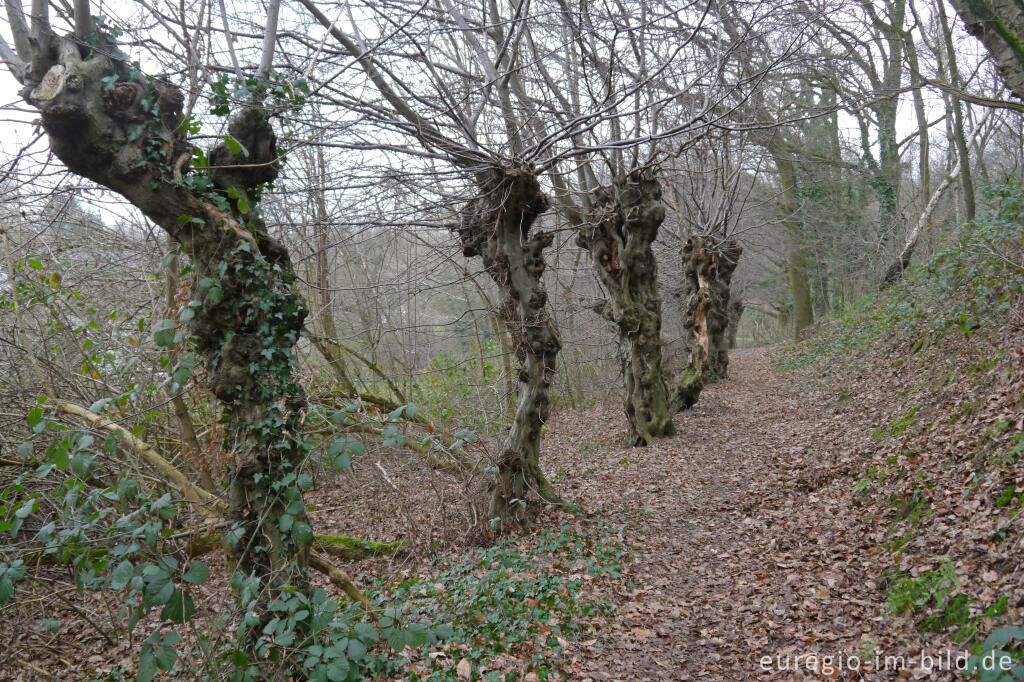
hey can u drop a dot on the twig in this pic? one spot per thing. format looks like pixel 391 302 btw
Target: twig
pixel 386 477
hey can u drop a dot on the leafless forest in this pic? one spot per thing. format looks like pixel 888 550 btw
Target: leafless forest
pixel 304 303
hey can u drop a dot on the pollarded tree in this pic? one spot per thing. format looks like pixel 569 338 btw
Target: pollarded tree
pixel 483 143
pixel 710 187
pixel 125 131
pixel 655 75
pixel 618 237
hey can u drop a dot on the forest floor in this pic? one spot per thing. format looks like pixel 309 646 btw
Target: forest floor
pixel 755 544
pixel 860 512
pixel 738 559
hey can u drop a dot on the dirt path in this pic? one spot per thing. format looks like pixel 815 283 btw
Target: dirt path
pixel 751 547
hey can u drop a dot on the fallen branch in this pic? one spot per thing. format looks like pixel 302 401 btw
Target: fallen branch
pixel 191 491
pixel 354 549
pixel 341 546
pixel 339 579
pixel 212 508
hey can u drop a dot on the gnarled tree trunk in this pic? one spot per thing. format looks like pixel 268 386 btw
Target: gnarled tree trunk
pixel 496 226
pixel 707 269
pixel 699 266
pixel 727 255
pixel 619 238
pixel 109 123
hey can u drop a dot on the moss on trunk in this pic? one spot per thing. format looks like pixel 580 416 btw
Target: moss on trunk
pixel 619 236
pixel 496 226
pixel 122 130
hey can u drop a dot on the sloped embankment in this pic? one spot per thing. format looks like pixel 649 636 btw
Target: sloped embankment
pixel 933 372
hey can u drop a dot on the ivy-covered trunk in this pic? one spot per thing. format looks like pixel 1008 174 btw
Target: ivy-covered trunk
pixel 124 131
pixel 619 237
pixel 496 226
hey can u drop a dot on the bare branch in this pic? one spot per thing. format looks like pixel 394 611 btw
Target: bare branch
pixel 83 19
pixel 423 129
pixel 269 37
pixel 16 19
pixel 41 19
pixel 13 61
pixel 229 37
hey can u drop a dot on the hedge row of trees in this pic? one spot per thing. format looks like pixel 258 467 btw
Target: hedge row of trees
pixel 718 155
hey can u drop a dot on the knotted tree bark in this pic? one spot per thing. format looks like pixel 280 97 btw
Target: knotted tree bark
pixel 496 227
pixel 708 270
pixel 109 123
pixel 727 256
pixel 618 237
pixel 699 265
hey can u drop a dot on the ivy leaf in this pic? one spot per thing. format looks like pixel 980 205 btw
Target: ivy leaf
pixel 302 532
pixel 163 333
pixel 235 146
pixel 25 450
pixel 6 589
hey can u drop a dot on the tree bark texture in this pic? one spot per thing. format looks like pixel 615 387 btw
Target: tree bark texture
pixel 699 265
pixel 999 25
pixel 619 237
pixel 496 227
pixel 710 264
pixel 109 123
pixel 727 257
pixel 789 204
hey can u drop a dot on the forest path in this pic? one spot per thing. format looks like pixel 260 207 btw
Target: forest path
pixel 745 551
